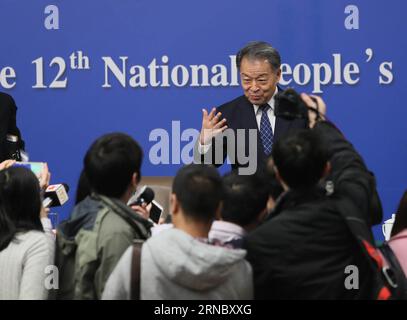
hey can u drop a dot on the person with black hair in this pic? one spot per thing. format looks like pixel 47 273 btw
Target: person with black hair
pixel 244 207
pixel 101 226
pixel 180 263
pixel 303 249
pixel 398 240
pixel 274 187
pixel 25 249
pixel 83 188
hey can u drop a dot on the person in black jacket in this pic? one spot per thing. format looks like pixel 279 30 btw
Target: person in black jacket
pixel 304 249
pixel 10 136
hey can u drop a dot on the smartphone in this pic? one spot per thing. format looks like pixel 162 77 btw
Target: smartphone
pixel 35 167
pixel 156 211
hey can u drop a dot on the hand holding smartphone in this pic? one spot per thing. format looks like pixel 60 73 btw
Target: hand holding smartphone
pixel 40 169
pixel 36 167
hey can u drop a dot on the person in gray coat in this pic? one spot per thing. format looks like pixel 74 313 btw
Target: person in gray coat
pixel 180 263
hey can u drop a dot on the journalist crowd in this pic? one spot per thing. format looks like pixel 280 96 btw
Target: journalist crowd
pixel 297 227
pixel 290 231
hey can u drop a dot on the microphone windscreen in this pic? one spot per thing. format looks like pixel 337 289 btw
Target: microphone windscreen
pixel 66 187
pixel 148 195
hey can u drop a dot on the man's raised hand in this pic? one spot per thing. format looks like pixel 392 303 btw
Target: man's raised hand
pixel 211 126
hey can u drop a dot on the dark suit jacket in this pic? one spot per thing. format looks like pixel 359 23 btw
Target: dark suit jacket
pixel 8 125
pixel 239 114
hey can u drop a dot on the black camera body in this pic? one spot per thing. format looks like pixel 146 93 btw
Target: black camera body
pixel 289 105
pixel 13 147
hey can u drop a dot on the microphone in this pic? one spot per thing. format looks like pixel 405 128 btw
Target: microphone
pixel 55 195
pixel 146 196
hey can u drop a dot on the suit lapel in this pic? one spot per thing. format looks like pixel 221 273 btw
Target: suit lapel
pixel 247 117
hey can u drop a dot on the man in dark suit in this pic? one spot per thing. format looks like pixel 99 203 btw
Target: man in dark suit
pixel 10 137
pixel 259 66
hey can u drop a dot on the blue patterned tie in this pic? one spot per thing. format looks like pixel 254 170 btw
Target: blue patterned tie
pixel 266 131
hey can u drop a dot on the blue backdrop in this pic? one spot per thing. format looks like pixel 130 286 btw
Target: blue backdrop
pixel 364 90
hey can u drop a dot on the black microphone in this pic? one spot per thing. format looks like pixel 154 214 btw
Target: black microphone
pixel 146 196
pixel 55 195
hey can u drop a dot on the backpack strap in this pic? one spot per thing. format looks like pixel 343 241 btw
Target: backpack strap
pixel 138 224
pixel 394 272
pixel 136 271
pixel 364 237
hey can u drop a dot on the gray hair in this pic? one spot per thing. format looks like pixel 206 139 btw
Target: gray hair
pixel 259 50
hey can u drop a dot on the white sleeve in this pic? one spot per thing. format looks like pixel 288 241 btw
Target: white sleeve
pixel 47 226
pixel 204 148
pixel 34 276
pixel 118 284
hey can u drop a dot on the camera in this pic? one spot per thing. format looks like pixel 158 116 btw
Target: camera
pixel 145 195
pixel 289 104
pixel 13 146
